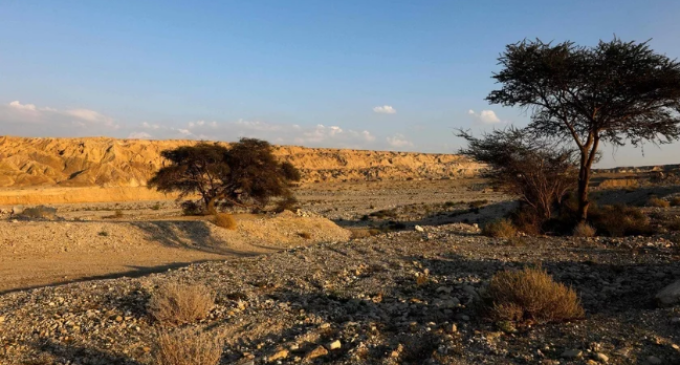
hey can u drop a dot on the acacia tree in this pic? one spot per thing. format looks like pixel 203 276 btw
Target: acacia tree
pixel 616 92
pixel 198 169
pixel 245 174
pixel 540 172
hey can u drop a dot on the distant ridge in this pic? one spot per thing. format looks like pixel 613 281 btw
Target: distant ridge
pixel 110 162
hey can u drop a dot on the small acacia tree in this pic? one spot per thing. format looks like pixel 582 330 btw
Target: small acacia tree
pixel 541 173
pixel 245 174
pixel 615 92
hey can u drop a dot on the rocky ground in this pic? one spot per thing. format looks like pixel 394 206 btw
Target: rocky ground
pixel 398 298
pixel 408 294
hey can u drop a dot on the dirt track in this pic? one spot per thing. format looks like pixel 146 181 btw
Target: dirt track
pixel 43 253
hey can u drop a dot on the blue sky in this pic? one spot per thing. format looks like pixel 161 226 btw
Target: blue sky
pixel 376 74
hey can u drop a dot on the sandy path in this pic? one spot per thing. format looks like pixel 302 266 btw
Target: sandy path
pixel 44 253
pixel 22 272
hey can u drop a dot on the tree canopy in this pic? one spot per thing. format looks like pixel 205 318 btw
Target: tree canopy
pixel 616 92
pixel 244 174
pixel 539 171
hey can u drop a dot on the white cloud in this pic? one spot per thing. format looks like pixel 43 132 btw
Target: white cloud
pixel 485 116
pixel 90 116
pixel 25 119
pixel 255 125
pixel 139 135
pixel 150 126
pixel 399 141
pixel 385 109
pixel 17 113
pixel 17 105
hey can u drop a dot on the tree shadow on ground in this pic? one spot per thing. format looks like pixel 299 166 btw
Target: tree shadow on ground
pixel 193 235
pixel 134 272
pixel 633 196
pixel 465 215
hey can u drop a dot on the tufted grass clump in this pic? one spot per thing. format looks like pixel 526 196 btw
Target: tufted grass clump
pixel 529 295
pixel 658 203
pixel 187 347
pixel 584 230
pixel 177 304
pixel 501 228
pixel 226 221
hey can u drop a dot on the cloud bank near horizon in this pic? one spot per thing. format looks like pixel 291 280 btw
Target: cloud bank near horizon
pixel 24 119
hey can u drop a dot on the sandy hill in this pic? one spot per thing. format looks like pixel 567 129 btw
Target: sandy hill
pixel 109 162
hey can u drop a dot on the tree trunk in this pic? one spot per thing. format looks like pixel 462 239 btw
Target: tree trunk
pixel 588 155
pixel 210 205
pixel 583 184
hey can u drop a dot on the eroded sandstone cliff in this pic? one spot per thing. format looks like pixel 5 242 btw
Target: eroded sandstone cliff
pixel 109 162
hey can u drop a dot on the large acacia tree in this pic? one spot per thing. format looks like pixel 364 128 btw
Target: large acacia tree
pixel 616 93
pixel 245 173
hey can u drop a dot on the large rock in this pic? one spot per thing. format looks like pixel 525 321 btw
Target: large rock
pixel 669 295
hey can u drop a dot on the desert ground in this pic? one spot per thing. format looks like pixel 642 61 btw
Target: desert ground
pixel 389 273
pixel 383 262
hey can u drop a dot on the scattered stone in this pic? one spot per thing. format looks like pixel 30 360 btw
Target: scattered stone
pixel 318 351
pixel 277 355
pixel 670 295
pixel 654 360
pixel 419 229
pixel 335 345
pixel 572 354
pixel 601 357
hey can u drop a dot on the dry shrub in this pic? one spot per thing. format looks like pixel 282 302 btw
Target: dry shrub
pixel 187 347
pixel 584 230
pixel 620 221
pixel 364 232
pixel 675 201
pixel 501 228
pixel 658 203
pixel 530 295
pixel 620 183
pixel 39 212
pixel 287 203
pixel 527 221
pixel 418 348
pixel 175 303
pixel 672 224
pixel 226 221
pixel 191 208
